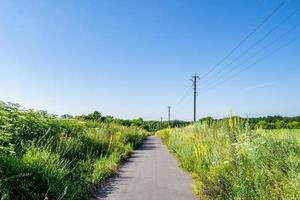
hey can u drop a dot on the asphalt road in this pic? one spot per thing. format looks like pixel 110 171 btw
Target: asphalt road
pixel 151 173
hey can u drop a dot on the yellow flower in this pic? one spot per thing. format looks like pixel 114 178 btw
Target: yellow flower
pixel 200 150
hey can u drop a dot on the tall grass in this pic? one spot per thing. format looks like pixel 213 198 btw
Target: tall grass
pixel 44 157
pixel 230 161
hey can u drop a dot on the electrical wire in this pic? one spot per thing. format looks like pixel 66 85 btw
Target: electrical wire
pixel 273 42
pixel 184 96
pixel 264 21
pixel 255 63
pixel 222 70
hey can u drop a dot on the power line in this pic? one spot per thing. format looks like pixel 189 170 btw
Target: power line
pixel 196 78
pixel 253 64
pixel 233 68
pixel 265 20
pixel 220 71
pixel 186 94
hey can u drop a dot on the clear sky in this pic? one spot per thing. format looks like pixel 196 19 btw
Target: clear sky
pixel 133 58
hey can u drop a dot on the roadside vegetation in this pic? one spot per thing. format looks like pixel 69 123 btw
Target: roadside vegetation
pixel 230 159
pixel 270 122
pixel 46 157
pixel 151 126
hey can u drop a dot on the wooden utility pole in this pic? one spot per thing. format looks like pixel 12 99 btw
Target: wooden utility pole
pixel 195 78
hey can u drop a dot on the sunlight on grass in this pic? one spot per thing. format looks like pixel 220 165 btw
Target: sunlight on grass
pixel 231 161
pixel 44 157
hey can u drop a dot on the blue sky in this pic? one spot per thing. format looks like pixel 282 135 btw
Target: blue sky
pixel 134 58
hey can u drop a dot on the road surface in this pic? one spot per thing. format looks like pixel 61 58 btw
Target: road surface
pixel 151 173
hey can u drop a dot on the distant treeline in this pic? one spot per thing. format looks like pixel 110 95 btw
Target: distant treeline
pixel 151 126
pixel 270 122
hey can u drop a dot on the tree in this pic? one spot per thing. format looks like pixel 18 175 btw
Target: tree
pixel 66 116
pixel 138 122
pixel 96 115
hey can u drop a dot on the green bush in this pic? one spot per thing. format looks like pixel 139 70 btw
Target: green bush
pixel 44 157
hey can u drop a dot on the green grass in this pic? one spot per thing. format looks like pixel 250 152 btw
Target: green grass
pixel 44 157
pixel 230 161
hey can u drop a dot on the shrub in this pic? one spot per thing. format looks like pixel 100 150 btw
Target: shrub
pixel 44 157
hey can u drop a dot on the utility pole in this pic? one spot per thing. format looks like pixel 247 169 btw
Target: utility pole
pixel 195 78
pixel 169 114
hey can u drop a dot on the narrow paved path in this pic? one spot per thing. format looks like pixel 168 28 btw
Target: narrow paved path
pixel 151 173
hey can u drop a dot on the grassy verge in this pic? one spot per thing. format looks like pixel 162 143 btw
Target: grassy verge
pixel 44 157
pixel 230 161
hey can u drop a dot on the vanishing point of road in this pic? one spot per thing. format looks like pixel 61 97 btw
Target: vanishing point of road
pixel 151 173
